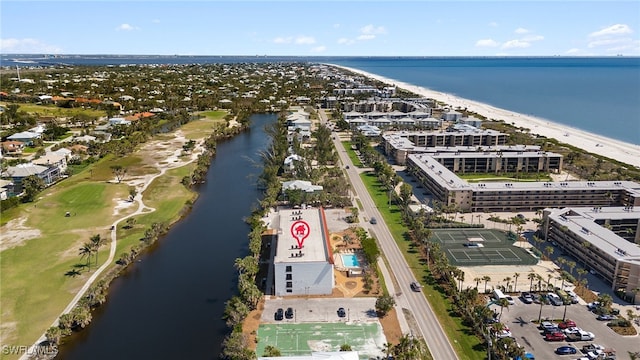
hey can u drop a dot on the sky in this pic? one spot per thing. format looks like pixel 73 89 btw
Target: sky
pixel 321 28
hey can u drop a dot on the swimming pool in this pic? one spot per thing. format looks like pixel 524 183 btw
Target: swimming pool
pixel 350 260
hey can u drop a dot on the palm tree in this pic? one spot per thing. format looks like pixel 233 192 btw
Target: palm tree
pixel 634 291
pixel 97 242
pixel 515 282
pixel 504 303
pixel 87 251
pixel 571 265
pixel 507 280
pixel 486 279
pixel 605 301
pixel 543 301
pixel 477 280
pixel 531 276
pixel 548 250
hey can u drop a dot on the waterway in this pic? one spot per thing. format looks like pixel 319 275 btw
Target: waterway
pixel 170 304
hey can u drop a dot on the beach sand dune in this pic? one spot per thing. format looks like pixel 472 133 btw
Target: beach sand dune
pixel 593 143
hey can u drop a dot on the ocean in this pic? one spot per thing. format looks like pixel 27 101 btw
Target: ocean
pixel 599 95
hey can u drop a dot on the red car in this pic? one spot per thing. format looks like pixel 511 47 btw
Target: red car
pixel 556 336
pixel 567 324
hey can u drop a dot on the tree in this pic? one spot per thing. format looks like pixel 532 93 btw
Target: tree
pixel 477 280
pixel 97 242
pixel 32 185
pixel 504 303
pixel 132 193
pixel 405 194
pixel 271 351
pixel 548 250
pixel 486 279
pixel 87 251
pixel 543 301
pixel 515 281
pixel 531 276
pixel 119 172
pixel 384 304
pixel 53 335
pixel 345 347
pixel 507 280
pixel 235 347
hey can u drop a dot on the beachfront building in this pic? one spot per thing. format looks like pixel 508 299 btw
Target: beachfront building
pixel 603 239
pixel 394 119
pixel 306 270
pixel 450 190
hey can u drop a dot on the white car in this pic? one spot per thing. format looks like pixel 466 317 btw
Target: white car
pixel 510 300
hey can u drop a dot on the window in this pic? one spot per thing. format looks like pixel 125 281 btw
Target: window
pixel 289 284
pixel 288 276
pixel 289 290
pixel 288 268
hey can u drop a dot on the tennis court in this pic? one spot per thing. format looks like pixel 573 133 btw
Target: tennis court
pixel 477 247
pixel 302 339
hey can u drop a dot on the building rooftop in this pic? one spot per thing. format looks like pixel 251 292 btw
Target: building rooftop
pixel 314 247
pixel 582 221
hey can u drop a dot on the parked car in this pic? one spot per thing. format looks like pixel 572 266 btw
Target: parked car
pixel 554 299
pixel 555 336
pixel 581 335
pixel 573 296
pixel 566 350
pixel 606 317
pixel 547 325
pixel 289 313
pixel 279 315
pixel 373 221
pixel 571 330
pixel 592 306
pixel 415 286
pixel 591 347
pixel 567 324
pixel 341 312
pixel 526 297
pixel 510 300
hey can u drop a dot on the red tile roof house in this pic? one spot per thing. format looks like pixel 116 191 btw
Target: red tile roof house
pixel 12 147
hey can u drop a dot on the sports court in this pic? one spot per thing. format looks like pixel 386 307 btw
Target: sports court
pixel 477 247
pixel 301 339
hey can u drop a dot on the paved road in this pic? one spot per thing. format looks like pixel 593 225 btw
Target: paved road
pixel 432 332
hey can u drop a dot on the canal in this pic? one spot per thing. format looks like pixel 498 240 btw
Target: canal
pixel 170 304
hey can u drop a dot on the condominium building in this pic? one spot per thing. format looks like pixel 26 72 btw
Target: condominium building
pixel 303 263
pixel 603 239
pixel 451 190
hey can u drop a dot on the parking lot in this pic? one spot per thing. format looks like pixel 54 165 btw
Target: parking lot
pixel 519 318
pixel 317 310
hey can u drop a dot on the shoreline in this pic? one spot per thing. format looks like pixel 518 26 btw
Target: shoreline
pixel 615 149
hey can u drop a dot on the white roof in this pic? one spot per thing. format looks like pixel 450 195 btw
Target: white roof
pixel 306 186
pixel 314 246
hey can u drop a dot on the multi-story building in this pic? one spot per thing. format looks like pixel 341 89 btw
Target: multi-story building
pixel 305 269
pixel 451 190
pixel 603 239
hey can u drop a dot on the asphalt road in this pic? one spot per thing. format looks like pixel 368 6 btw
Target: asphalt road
pixel 431 330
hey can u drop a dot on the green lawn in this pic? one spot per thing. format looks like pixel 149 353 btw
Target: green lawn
pixel 466 344
pixel 352 154
pixel 35 277
pixel 52 110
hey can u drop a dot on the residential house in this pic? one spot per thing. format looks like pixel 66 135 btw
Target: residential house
pixel 26 137
pixel 19 172
pixel 6 189
pixel 53 160
pixel 303 185
pixel 12 147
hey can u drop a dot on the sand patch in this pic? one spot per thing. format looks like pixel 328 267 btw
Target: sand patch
pixel 15 233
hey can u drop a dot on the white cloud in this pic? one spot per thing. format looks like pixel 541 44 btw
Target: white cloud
pixel 335 26
pixel 512 44
pixel 319 49
pixel 305 40
pixel 345 41
pixel 27 46
pixel 373 30
pixel 521 31
pixel 366 37
pixel 531 38
pixel 493 24
pixel 156 21
pixel 616 29
pixel 126 27
pixel 282 40
pixel 486 43
pixel 573 51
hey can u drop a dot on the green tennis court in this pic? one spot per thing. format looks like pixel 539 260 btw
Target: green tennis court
pixel 477 247
pixel 302 339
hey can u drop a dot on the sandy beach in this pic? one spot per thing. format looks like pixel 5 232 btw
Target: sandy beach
pixel 614 149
